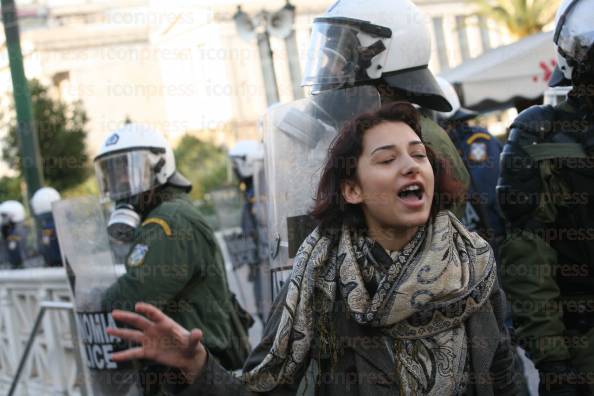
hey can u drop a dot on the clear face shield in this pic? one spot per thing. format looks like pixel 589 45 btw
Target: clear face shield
pixel 574 35
pixel 297 136
pixel 579 48
pixel 122 175
pixel 344 51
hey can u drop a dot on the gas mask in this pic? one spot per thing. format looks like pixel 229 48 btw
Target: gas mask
pixel 123 222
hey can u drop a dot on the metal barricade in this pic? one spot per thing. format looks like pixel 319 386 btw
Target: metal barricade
pixel 53 305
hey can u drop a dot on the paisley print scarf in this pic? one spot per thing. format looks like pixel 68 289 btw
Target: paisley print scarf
pixel 419 297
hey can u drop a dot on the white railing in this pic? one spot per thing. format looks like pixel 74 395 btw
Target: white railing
pixel 50 368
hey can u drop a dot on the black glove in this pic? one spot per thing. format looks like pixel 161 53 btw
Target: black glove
pixel 558 378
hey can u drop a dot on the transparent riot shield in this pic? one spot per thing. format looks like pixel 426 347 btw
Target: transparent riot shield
pixel 296 139
pixel 262 292
pixel 89 264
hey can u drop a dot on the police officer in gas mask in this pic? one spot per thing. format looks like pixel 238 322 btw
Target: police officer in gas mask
pixel 174 261
pixel 546 192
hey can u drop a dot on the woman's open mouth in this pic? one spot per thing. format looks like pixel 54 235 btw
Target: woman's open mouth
pixel 412 195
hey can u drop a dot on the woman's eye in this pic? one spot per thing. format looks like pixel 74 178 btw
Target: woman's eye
pixel 387 161
pixel 420 155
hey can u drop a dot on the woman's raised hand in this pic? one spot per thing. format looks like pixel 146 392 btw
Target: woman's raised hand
pixel 161 339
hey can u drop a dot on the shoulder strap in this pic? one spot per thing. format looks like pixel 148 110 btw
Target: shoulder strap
pixel 546 151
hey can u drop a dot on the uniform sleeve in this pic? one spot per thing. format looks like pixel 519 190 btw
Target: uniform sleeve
pixel 528 274
pixel 216 381
pixel 506 380
pixel 159 265
pixel 439 141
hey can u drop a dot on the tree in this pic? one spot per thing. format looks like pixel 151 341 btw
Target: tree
pixel 61 133
pixel 203 163
pixel 10 188
pixel 521 18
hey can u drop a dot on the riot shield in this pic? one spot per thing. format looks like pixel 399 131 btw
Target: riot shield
pixel 296 140
pixel 89 264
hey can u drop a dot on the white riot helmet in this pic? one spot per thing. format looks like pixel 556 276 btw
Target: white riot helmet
pixel 365 40
pixel 135 159
pixel 245 155
pixel 574 38
pixel 12 211
pixel 458 113
pixel 42 200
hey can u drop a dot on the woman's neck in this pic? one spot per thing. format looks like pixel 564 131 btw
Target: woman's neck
pixel 392 239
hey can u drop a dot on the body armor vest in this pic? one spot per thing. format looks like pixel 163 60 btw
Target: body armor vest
pixel 571 188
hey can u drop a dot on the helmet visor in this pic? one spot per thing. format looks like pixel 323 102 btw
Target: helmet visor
pixel 125 174
pixel 336 56
pixel 574 34
pixel 579 47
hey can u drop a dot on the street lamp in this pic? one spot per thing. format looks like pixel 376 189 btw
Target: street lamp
pixel 27 132
pixel 282 25
pixel 278 24
pixel 258 27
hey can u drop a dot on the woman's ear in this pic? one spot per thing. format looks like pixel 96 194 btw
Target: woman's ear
pixel 351 192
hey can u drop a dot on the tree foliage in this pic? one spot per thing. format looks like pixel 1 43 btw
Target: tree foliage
pixel 61 135
pixel 520 18
pixel 203 163
pixel 10 188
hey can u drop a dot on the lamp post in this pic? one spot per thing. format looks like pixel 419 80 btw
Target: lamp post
pixel 262 26
pixel 282 25
pixel 27 132
pixel 258 27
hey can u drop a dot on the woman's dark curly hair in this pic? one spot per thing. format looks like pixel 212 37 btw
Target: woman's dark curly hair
pixel 330 207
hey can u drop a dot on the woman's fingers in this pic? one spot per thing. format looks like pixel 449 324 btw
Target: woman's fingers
pixel 128 354
pixel 195 337
pixel 151 312
pixel 132 319
pixel 126 334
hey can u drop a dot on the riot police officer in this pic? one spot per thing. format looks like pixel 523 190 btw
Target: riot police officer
pixel 41 204
pixel 247 157
pixel 386 45
pixel 480 152
pixel 244 157
pixel 14 232
pixel 174 262
pixel 546 192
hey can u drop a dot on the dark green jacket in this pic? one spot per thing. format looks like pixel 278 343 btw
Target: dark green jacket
pixel 175 264
pixel 439 141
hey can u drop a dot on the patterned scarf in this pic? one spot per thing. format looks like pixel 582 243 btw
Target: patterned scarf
pixel 419 297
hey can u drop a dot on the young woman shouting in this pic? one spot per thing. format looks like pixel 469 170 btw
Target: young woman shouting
pixel 389 295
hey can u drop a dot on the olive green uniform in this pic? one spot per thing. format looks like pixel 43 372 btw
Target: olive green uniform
pixel 439 141
pixel 175 264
